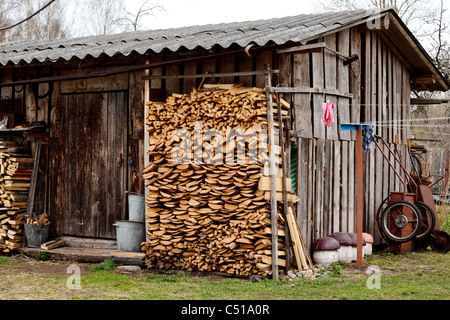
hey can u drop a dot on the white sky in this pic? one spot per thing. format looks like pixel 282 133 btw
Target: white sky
pixel 181 13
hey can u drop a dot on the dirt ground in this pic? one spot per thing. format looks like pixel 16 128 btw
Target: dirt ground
pixel 50 268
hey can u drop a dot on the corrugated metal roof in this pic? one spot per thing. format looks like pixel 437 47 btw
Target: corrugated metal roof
pixel 260 32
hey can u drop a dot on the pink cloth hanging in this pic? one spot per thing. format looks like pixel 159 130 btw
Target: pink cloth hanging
pixel 328 116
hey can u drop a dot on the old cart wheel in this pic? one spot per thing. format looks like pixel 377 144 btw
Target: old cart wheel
pixel 428 219
pixel 401 221
pixel 440 241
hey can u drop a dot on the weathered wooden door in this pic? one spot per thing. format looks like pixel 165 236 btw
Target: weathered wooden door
pixel 91 164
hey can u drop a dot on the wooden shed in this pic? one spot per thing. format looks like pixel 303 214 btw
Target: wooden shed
pixel 91 91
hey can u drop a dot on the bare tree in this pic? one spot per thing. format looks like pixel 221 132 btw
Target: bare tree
pixel 438 34
pixel 49 24
pixel 7 11
pixel 145 9
pixel 408 10
pixel 106 16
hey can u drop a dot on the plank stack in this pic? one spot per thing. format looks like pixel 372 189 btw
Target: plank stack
pixel 207 206
pixel 15 175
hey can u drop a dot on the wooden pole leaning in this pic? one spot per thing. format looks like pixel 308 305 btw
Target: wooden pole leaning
pixel 272 172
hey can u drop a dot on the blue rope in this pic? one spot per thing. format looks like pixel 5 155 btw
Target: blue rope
pixel 368 137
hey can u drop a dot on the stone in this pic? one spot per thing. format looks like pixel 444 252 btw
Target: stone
pixel 291 274
pixel 128 268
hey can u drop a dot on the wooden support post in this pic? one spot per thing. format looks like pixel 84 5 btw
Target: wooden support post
pixel 285 173
pixel 32 192
pixel 359 195
pixel 359 188
pixel 273 185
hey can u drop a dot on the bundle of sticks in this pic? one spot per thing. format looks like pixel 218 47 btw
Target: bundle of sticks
pixel 207 207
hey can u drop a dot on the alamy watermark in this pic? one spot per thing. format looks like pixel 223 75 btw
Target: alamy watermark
pixel 378 20
pixel 374 280
pixel 74 281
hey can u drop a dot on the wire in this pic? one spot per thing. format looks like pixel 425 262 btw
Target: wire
pixel 28 18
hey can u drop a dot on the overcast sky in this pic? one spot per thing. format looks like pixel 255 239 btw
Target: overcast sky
pixel 180 13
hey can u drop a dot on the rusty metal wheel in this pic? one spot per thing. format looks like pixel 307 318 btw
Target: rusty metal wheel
pixel 428 219
pixel 401 221
pixel 440 241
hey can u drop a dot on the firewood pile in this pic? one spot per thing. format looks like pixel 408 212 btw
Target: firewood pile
pixel 15 175
pixel 208 203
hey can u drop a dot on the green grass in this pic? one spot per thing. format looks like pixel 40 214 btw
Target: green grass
pixel 418 276
pixel 107 265
pixel 443 214
pixel 4 260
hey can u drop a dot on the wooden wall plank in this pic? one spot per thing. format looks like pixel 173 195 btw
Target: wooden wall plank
pixel 327 212
pixel 344 187
pixel 227 65
pixel 318 99
pixel 319 190
pixel 136 132
pixel 189 83
pixel 99 159
pixel 331 82
pixel 311 191
pixel 262 60
pixel 302 102
pixel 303 185
pixel 246 64
pixel 110 83
pixel 172 85
pixel 351 222
pixel 337 211
pixel 343 76
pixel 355 77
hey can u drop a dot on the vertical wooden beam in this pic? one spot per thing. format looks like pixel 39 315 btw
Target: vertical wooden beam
pixel 147 86
pixel 302 102
pixel 344 195
pixel 351 187
pixel 359 195
pixel 318 82
pixel 285 169
pixel 343 84
pixel 336 211
pixel 355 78
pixel 330 73
pixel 273 185
pixel 319 189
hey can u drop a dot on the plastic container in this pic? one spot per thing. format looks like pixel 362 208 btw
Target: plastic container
pixel 136 207
pixel 130 235
pixel 36 234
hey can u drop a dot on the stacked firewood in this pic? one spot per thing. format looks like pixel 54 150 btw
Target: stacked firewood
pixel 207 207
pixel 15 175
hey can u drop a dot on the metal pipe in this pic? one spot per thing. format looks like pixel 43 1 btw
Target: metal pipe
pixel 396 157
pixel 391 165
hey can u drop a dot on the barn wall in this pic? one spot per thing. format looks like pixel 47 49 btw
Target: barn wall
pixel 326 173
pixel 49 108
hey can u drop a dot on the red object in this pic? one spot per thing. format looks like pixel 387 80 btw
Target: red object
pixel 328 116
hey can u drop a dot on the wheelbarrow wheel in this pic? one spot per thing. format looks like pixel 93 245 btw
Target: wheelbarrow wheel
pixel 428 219
pixel 440 241
pixel 401 221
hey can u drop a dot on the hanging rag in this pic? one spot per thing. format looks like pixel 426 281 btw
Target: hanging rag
pixel 328 116
pixel 368 137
